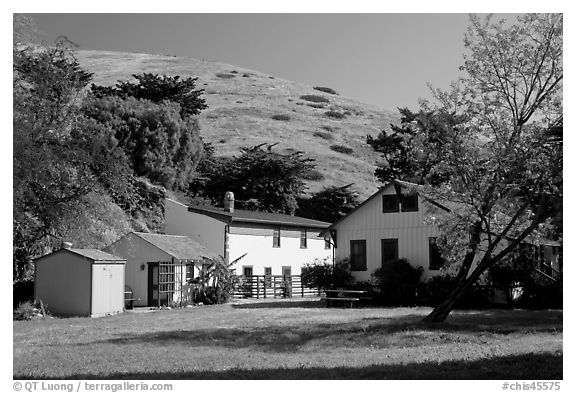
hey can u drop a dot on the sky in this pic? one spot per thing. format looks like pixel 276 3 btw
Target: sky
pixel 387 60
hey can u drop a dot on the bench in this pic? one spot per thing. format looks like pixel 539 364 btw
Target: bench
pixel 129 298
pixel 344 296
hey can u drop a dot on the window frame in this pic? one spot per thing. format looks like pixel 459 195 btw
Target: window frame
pixel 276 235
pixel 358 265
pixel 395 208
pixel 411 208
pixel 303 238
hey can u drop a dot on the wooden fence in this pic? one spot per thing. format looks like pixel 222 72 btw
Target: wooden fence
pixel 265 286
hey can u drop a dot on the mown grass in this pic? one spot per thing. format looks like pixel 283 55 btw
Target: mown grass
pixel 291 340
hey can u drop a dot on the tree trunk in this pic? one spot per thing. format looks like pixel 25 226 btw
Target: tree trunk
pixel 440 313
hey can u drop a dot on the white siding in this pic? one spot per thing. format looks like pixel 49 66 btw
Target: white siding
pixel 107 289
pixel 137 252
pixel 371 224
pixel 63 283
pixel 205 230
pixel 261 253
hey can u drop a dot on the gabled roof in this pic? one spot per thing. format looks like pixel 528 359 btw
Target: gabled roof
pixel 89 253
pixel 256 217
pixel 179 247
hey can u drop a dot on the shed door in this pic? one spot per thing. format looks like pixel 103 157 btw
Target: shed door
pixel 107 289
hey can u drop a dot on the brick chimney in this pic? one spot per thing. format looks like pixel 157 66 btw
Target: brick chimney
pixel 229 201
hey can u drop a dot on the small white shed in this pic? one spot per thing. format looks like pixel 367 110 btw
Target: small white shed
pixel 80 282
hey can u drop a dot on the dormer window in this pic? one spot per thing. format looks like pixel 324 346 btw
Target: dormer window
pixel 410 203
pixel 393 203
pixel 390 203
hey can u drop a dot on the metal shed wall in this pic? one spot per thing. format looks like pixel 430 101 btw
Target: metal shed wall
pixel 63 282
pixel 107 288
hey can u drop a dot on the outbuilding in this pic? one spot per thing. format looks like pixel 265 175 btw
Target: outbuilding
pixel 80 282
pixel 159 266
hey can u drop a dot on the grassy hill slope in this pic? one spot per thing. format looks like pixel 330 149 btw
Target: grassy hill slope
pixel 248 107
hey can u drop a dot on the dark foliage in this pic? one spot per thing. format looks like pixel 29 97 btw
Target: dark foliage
pixel 329 204
pixel 324 275
pixel 158 142
pixel 314 98
pixel 323 135
pixel 326 90
pixel 342 149
pixel 335 115
pixel 280 117
pixel 159 88
pixel 261 179
pixel 397 281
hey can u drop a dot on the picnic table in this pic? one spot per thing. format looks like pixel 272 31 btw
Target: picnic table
pixel 345 296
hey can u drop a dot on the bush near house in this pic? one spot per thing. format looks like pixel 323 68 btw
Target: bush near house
pixel 431 292
pixel 396 282
pixel 323 275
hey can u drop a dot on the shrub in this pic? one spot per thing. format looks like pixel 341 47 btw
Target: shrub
pixel 28 310
pixel 314 98
pixel 335 115
pixel 323 135
pixel 326 90
pixel 281 117
pixel 342 149
pixel 432 291
pixel 316 106
pixel 329 128
pixel 225 75
pixel 322 275
pixel 313 174
pixel 216 283
pixel 397 281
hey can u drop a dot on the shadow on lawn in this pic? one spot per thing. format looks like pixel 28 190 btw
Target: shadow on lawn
pixel 282 304
pixel 395 332
pixel 516 367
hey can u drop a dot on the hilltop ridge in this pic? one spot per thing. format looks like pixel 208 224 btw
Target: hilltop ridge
pixel 247 107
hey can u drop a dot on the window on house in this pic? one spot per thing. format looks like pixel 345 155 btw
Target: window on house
pixel 189 271
pixel 389 248
pixel 276 238
pixel 409 203
pixel 247 270
pixel 327 245
pixel 358 255
pixel 390 204
pixel 435 260
pixel 303 242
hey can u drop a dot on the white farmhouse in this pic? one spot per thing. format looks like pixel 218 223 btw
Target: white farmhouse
pixel 391 225
pixel 387 227
pixel 274 244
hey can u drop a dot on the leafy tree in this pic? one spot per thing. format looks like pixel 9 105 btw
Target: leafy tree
pixel 158 142
pixel 329 204
pixel 490 148
pixel 159 88
pixel 260 179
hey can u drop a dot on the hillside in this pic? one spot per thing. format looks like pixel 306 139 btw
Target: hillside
pixel 243 104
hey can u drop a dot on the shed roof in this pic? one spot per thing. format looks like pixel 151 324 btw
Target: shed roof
pixel 89 253
pixel 257 217
pixel 179 247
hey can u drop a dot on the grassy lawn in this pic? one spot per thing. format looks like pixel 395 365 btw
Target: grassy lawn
pixel 292 340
